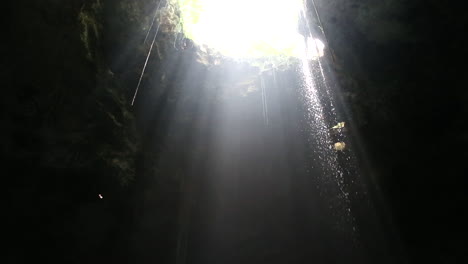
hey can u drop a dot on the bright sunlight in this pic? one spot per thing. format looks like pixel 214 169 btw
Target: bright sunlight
pixel 248 29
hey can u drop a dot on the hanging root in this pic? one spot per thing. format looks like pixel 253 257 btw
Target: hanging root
pixel 156 12
pixel 264 100
pixel 146 63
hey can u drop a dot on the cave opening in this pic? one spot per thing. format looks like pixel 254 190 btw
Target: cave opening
pixel 324 131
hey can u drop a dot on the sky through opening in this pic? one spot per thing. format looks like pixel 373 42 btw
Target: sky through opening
pixel 247 29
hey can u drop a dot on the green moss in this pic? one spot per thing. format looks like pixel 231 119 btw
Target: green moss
pixel 90 27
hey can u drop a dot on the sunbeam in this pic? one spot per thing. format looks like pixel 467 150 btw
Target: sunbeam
pixel 246 152
pixel 234 131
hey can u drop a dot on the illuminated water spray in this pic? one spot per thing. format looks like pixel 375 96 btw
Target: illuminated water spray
pixel 324 149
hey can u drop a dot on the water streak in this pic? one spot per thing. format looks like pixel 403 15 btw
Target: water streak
pixel 332 181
